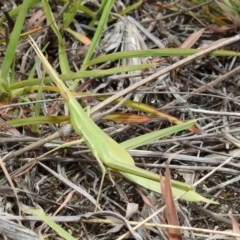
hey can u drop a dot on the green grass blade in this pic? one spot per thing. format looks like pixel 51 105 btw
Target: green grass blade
pixel 15 12
pixel 10 53
pixel 5 91
pixel 38 120
pixel 98 33
pixel 130 8
pixel 81 74
pixel 166 52
pixel 40 213
pixel 88 12
pixel 79 36
pixel 63 59
pixel 70 13
pixel 150 137
pixel 102 7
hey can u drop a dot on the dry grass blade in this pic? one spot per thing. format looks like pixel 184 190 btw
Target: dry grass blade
pixel 64 131
pixel 168 226
pixel 234 223
pixel 192 39
pixel 69 196
pixel 60 207
pixel 8 129
pixel 11 183
pixel 149 203
pixel 117 216
pixel 171 212
pixel 15 231
pixel 70 184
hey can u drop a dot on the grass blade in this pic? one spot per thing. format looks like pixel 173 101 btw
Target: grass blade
pixel 10 53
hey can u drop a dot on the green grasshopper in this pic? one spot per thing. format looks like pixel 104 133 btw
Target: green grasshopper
pixel 105 149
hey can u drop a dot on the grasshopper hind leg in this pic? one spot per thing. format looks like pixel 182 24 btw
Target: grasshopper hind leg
pixel 103 169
